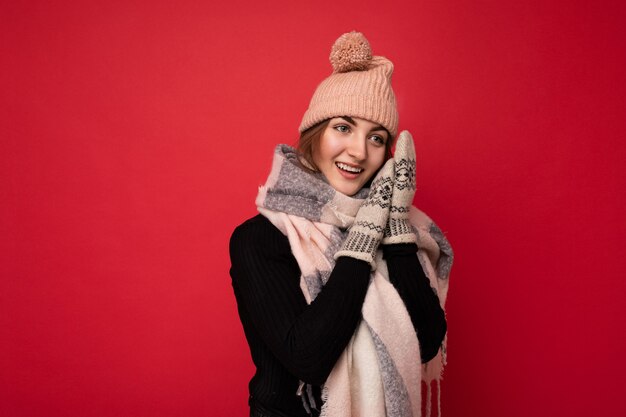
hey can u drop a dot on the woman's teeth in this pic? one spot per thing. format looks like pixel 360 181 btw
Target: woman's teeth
pixel 354 170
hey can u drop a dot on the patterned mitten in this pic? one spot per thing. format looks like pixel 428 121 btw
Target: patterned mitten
pixel 398 228
pixel 367 230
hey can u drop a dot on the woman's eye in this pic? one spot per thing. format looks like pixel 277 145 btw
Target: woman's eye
pixel 378 139
pixel 342 128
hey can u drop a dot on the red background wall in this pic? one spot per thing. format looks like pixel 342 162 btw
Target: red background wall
pixel 133 136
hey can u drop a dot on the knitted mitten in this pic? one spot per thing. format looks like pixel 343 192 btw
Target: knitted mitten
pixel 367 230
pixel 398 229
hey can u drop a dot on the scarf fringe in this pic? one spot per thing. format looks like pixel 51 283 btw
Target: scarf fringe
pixel 428 400
pixel 308 400
pixel 438 398
pixel 428 412
pixel 324 412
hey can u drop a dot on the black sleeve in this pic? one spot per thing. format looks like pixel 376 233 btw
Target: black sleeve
pixel 306 339
pixel 420 299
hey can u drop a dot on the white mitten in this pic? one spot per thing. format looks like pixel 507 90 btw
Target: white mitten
pixel 398 229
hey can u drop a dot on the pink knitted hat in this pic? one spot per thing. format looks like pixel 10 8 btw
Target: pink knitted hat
pixel 360 86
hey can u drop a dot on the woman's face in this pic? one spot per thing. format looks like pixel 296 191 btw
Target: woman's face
pixel 349 153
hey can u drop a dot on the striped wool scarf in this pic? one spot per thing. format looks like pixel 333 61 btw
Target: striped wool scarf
pixel 379 372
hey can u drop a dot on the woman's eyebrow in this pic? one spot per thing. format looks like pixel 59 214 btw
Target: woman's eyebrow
pixel 352 122
pixel 349 120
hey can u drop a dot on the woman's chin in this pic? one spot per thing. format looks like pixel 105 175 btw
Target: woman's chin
pixel 347 188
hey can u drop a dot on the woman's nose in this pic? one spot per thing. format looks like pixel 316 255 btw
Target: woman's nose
pixel 357 148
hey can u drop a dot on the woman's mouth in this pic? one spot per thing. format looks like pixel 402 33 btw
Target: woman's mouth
pixel 349 168
pixel 348 171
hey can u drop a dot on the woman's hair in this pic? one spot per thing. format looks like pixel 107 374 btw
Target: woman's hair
pixel 310 139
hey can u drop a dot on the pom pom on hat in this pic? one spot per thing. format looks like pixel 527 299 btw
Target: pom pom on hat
pixel 351 52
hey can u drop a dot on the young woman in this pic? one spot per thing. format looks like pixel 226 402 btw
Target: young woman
pixel 339 281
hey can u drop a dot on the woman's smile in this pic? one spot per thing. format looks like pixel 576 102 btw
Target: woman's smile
pixel 349 171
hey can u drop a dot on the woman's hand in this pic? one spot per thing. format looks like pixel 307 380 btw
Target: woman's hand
pixel 367 231
pixel 398 229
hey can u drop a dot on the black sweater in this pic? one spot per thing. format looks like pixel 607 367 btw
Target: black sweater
pixel 292 341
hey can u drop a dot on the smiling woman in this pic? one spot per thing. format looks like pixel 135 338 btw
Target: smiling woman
pixel 340 283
